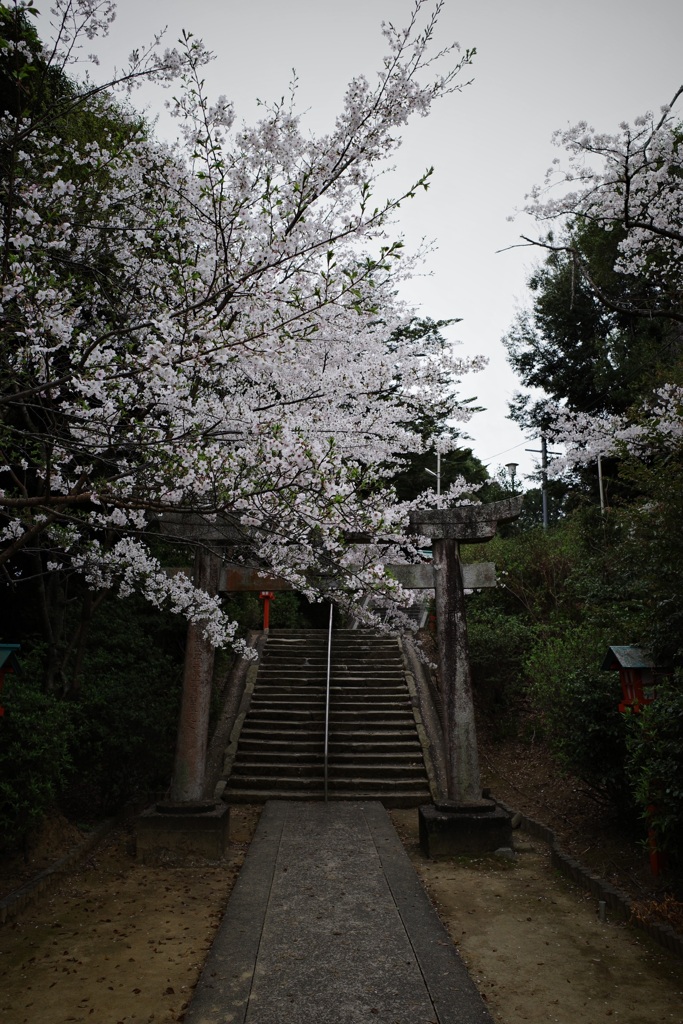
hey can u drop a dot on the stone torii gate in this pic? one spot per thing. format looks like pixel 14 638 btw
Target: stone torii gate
pixel 447 528
pixel 465 822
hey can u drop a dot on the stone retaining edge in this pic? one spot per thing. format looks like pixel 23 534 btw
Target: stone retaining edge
pixel 15 902
pixel 618 902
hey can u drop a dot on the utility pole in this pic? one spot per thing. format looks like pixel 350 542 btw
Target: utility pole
pixel 543 452
pixel 437 474
pixel 601 486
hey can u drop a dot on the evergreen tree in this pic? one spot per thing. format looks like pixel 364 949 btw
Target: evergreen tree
pixel 574 347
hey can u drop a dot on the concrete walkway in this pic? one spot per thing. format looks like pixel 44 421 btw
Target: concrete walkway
pixel 328 924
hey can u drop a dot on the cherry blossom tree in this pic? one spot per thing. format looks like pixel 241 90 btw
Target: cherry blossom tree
pixel 630 183
pixel 610 222
pixel 212 327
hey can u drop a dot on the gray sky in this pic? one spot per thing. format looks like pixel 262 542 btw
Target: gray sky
pixel 540 65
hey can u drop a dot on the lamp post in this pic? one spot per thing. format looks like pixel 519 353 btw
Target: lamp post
pixel 512 470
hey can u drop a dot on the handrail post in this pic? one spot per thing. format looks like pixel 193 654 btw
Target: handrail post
pixel 327 696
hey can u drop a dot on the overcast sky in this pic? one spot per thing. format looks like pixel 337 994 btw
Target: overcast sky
pixel 540 65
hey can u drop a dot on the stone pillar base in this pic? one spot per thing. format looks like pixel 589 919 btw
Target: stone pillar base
pixel 450 830
pixel 180 833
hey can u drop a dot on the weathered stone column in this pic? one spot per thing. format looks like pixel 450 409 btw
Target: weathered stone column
pixel 462 757
pixel 190 824
pixel 472 524
pixel 193 729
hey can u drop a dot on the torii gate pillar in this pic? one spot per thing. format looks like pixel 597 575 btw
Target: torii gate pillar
pixel 188 824
pixel 464 823
pixel 193 729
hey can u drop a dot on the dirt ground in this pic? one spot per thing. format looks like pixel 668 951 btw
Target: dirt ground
pixel 119 942
pixel 534 945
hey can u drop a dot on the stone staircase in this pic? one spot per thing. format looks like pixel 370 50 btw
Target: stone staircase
pixel 374 750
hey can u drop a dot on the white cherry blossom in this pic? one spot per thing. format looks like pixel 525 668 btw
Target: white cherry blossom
pixel 211 327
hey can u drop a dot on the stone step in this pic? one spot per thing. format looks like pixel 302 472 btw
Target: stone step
pixel 399 744
pixel 340 684
pixel 307 693
pixel 338 635
pixel 317 648
pixel 394 733
pixel 363 667
pixel 315 755
pixel 370 714
pixel 362 670
pixel 395 772
pixel 339 642
pixel 341 733
pixel 368 709
pixel 309 648
pixel 373 702
pixel 351 784
pixel 385 684
pixel 342 667
pixel 305 649
pixel 397 798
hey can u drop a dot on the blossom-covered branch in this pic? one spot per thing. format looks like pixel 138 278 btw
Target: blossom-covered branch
pixel 211 326
pixel 657 425
pixel 629 182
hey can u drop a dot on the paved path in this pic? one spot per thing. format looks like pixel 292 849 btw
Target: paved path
pixel 328 924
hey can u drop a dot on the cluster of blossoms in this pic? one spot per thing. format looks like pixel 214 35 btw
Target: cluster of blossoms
pixel 128 567
pixel 655 426
pixel 630 182
pixel 211 327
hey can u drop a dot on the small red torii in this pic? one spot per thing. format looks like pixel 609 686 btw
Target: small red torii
pixel 266 596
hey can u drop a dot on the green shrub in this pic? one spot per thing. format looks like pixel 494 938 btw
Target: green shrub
pixel 533 569
pixel 655 764
pixel 35 756
pixel 499 644
pixel 578 707
pixel 127 711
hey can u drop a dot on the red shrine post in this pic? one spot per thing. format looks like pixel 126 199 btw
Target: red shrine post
pixel 266 596
pixel 465 822
pixel 639 675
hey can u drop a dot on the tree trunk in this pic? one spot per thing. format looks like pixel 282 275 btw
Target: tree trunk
pixel 462 758
pixel 193 729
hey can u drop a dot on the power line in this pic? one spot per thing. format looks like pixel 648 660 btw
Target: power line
pixel 490 458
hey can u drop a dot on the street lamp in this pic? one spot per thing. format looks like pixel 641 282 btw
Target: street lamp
pixel 512 470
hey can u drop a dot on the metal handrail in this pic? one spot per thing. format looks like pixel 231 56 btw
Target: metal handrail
pixel 327 697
